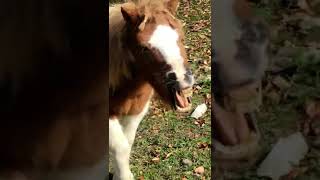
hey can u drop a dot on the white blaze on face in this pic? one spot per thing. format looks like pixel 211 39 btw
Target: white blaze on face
pixel 165 39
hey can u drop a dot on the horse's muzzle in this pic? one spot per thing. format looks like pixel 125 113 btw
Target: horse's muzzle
pixel 181 90
pixel 184 82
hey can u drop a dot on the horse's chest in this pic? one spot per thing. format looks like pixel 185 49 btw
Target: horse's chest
pixel 131 102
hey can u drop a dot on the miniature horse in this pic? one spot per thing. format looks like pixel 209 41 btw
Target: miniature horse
pixel 53 84
pixel 146 54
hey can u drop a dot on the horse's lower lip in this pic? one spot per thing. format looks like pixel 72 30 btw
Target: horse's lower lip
pixel 182 100
pixel 185 109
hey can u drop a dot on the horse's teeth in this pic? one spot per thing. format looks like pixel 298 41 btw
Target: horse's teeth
pixel 187 92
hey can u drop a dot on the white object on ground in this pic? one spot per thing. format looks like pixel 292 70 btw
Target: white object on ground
pixel 199 111
pixel 286 153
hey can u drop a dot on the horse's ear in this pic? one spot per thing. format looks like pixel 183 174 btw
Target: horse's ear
pixel 172 5
pixel 130 13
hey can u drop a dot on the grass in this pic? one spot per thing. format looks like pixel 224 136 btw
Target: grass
pixel 174 137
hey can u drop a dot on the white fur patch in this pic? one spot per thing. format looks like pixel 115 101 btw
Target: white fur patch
pixel 122 132
pixel 130 123
pixel 165 39
pixel 119 150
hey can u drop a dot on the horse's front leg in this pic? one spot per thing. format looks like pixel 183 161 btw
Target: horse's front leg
pixel 120 150
pixel 124 131
pixel 130 123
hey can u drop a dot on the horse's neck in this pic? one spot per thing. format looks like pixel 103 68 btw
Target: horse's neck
pixel 129 89
pixel 130 98
pixel 132 84
pixel 123 76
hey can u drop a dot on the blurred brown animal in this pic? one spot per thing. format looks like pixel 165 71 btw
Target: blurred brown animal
pixel 53 90
pixel 240 46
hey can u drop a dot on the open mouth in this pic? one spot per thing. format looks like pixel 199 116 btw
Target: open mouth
pixel 182 100
pixel 236 138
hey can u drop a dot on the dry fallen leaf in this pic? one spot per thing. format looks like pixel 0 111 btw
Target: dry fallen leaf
pixel 295 172
pixel 313 109
pixel 199 170
pixel 168 155
pixel 305 5
pixel 156 159
pixel 141 178
pixel 197 135
pixel 306 127
pixel 202 145
pixel 315 127
pixel 311 125
pixel 200 122
pixel 281 83
pixel 198 87
pixel 155 129
pixel 187 162
pixel 274 96
pixel 184 178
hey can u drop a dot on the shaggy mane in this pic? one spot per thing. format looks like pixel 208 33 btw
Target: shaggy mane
pixel 118 56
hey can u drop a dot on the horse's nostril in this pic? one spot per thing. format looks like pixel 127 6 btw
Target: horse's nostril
pixel 188 78
pixel 172 76
pixel 189 72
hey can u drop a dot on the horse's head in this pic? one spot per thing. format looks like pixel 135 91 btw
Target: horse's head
pixel 155 39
